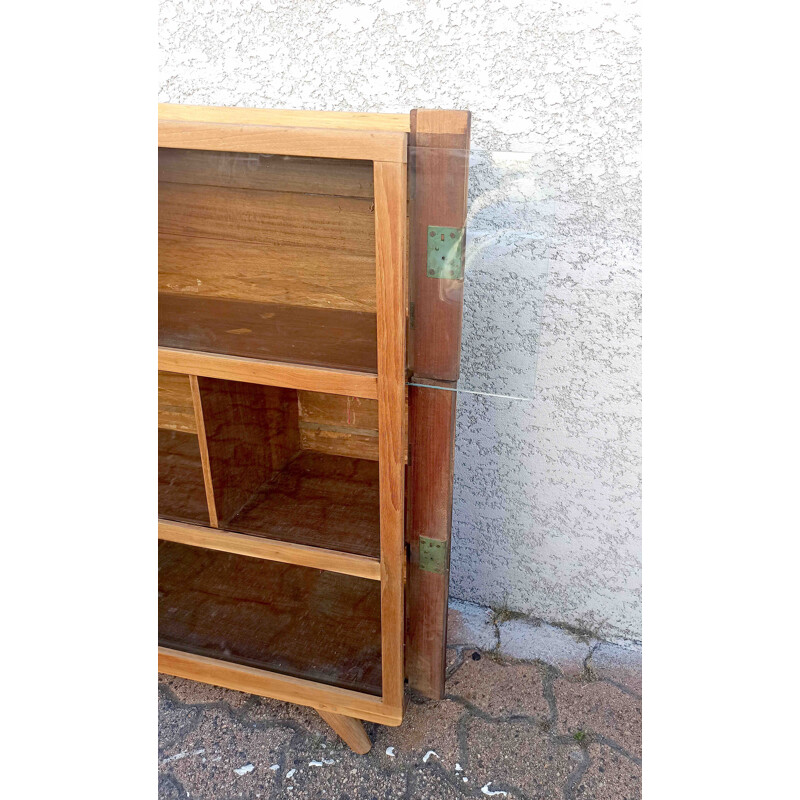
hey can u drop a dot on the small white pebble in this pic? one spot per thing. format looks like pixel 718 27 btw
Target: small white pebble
pixel 488 791
pixel 390 751
pixel 464 779
pixel 176 757
pixel 290 773
pixel 458 767
pixel 245 769
pixel 428 755
pixel 275 767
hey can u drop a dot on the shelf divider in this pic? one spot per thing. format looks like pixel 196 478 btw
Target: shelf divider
pixel 269 549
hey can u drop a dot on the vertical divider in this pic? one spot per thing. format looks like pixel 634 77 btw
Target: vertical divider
pixel 204 459
pixel 390 250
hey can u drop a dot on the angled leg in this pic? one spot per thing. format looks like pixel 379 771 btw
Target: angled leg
pixel 350 729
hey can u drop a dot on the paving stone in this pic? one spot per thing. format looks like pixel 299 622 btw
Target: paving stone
pixel 430 784
pixel 471 625
pixel 521 638
pixel 206 760
pixel 431 726
pixel 193 692
pixel 500 689
pixel 175 721
pixel 351 778
pixel 264 709
pixel 620 664
pixel 610 776
pixel 517 756
pixel 599 708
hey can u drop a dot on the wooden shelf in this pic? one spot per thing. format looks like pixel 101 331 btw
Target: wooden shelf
pixel 318 500
pixel 245 544
pixel 181 491
pixel 292 620
pixel 318 337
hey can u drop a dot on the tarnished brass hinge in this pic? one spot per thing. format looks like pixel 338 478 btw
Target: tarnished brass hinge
pixel 445 253
pixel 432 554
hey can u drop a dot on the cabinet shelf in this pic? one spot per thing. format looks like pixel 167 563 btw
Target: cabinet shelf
pixel 318 500
pixel 292 620
pixel 303 335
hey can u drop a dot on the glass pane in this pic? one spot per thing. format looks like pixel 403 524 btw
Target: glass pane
pixel 298 621
pixel 296 466
pixel 267 256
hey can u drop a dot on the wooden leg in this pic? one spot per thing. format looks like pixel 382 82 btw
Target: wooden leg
pixel 350 729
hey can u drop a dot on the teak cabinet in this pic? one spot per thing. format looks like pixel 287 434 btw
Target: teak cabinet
pixel 310 294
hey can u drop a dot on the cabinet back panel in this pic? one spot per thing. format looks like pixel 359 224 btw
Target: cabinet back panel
pixel 266 172
pixel 234 239
pixel 338 425
pixel 251 432
pixel 175 406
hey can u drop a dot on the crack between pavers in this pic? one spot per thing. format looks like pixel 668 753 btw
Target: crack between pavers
pixel 571 784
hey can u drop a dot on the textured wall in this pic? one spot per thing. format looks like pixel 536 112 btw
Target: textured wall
pixel 546 516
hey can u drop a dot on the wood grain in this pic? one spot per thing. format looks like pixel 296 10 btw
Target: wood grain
pixel 337 424
pixel 297 276
pixel 181 491
pixel 366 145
pixel 249 370
pixel 175 408
pixel 345 340
pixel 430 502
pixel 390 239
pixel 278 219
pixel 293 620
pixel 266 172
pixel 350 730
pixel 202 441
pixel 343 120
pixel 259 547
pixel 252 434
pixel 439 163
pixel 318 500
pixel 280 687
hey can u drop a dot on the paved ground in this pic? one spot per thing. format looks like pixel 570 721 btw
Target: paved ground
pixel 531 711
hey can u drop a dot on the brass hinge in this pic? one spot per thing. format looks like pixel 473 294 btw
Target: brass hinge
pixel 445 253
pixel 432 554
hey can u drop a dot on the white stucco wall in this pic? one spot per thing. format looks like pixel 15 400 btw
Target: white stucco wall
pixel 546 501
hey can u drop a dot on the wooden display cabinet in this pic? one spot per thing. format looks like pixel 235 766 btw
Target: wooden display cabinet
pixel 289 325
